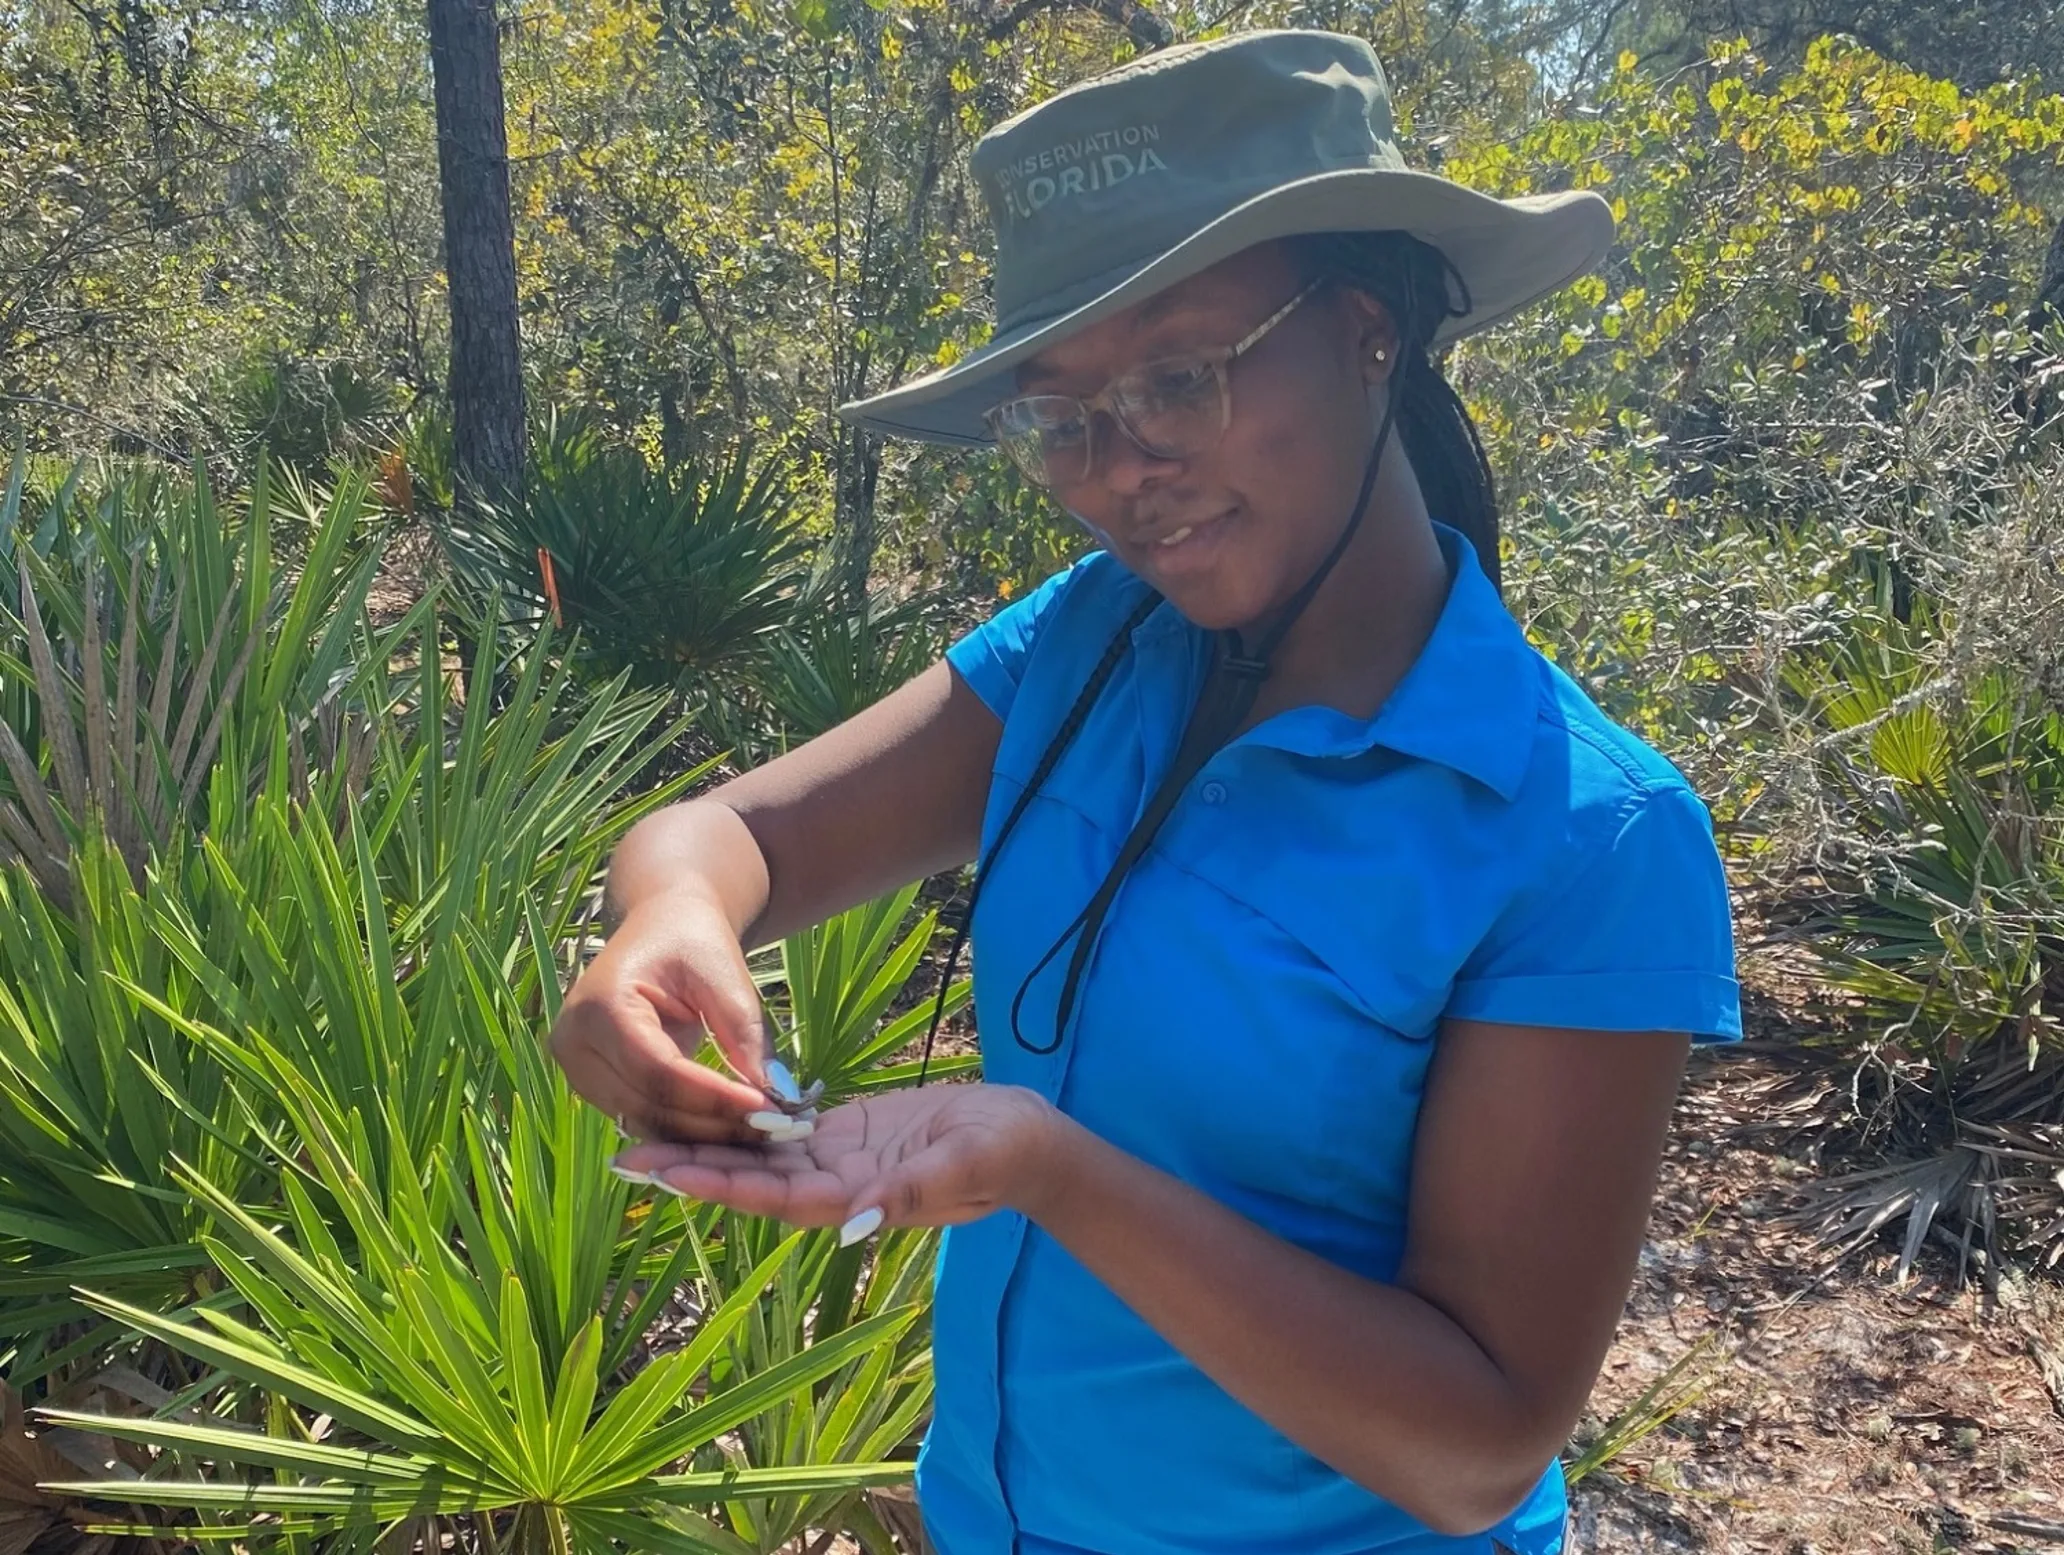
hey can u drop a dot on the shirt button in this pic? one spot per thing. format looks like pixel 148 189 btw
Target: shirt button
pixel 1214 792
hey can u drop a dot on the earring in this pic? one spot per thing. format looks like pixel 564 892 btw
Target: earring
pixel 1382 355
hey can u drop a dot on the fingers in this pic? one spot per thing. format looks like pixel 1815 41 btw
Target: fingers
pixel 622 1059
pixel 910 1190
pixel 725 1003
pixel 684 1025
pixel 886 1161
pixel 630 1028
pixel 898 1197
pixel 648 1159
pixel 778 1180
pixel 860 1227
pixel 679 1125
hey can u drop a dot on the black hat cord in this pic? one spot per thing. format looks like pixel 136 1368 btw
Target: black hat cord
pixel 1228 695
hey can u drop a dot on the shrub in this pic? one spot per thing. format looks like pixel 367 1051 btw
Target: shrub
pixel 667 575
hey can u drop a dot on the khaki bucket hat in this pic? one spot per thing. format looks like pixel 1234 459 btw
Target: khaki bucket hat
pixel 1127 183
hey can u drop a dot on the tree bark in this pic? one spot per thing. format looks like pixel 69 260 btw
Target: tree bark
pixel 479 249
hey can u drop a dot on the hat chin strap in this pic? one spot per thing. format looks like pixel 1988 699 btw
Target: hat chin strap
pixel 1256 665
pixel 1222 706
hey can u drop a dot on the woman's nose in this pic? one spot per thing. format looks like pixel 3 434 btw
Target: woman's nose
pixel 1124 466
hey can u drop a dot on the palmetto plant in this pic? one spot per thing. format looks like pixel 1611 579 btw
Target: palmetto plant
pixel 839 983
pixel 828 662
pixel 305 412
pixel 476 1322
pixel 203 860
pixel 1949 935
pixel 870 1410
pixel 150 644
pixel 317 934
pixel 281 1147
pixel 467 1333
pixel 665 574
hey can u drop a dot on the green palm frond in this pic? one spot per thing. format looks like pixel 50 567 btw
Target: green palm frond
pixel 842 979
pixel 150 641
pixel 665 575
pixel 831 661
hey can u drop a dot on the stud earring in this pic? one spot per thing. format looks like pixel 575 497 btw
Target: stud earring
pixel 1382 356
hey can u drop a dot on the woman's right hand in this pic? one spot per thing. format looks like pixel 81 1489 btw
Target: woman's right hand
pixel 630 1027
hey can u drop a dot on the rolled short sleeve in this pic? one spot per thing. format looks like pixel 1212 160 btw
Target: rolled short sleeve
pixel 1641 938
pixel 993 656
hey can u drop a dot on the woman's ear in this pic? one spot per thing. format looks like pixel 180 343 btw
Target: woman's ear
pixel 1375 337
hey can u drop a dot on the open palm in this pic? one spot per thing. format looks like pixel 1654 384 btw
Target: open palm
pixel 936 1156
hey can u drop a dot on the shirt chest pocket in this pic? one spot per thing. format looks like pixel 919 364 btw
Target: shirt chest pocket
pixel 1281 1072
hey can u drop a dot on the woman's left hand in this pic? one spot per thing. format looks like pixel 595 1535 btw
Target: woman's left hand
pixel 936 1156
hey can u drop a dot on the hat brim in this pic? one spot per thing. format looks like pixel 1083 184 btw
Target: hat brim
pixel 1508 252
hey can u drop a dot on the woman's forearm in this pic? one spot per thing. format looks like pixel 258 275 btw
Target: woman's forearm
pixel 1367 1377
pixel 892 795
pixel 701 847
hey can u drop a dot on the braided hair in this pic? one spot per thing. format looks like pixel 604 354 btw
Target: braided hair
pixel 1421 289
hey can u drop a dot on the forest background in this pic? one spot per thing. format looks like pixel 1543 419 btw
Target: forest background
pixel 307 753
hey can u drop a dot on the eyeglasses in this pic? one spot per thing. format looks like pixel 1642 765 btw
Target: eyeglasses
pixel 1172 409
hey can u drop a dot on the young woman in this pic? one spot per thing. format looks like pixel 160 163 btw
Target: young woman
pixel 1337 959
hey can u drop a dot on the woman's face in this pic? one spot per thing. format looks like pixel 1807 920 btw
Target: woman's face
pixel 1258 511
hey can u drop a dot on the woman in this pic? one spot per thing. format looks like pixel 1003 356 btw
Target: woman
pixel 1337 958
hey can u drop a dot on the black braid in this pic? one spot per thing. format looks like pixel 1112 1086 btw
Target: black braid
pixel 1421 289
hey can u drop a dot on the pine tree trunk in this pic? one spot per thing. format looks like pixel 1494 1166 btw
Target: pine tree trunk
pixel 479 249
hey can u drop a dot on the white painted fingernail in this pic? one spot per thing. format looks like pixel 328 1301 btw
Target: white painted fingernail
pixel 769 1122
pixel 782 1081
pixel 798 1128
pixel 860 1227
pixel 628 1175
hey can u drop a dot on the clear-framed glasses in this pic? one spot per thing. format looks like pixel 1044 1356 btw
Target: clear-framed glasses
pixel 1174 408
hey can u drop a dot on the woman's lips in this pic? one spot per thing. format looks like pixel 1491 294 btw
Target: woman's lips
pixel 1176 539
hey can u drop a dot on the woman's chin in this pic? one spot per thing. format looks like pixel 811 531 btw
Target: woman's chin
pixel 1211 604
pixel 1203 575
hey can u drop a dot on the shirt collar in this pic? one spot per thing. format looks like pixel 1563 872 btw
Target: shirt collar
pixel 1472 699
pixel 1470 702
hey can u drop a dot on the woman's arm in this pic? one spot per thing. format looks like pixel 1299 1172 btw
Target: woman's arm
pixel 893 794
pixel 1446 1393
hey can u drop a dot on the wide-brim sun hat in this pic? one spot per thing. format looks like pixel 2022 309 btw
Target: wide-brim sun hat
pixel 1119 187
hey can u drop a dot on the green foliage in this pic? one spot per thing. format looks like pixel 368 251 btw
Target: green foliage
pixel 463 1344
pixel 1975 44
pixel 306 413
pixel 829 664
pixel 272 1100
pixel 1946 928
pixel 1673 1390
pixel 997 531
pixel 830 660
pixel 151 643
pixel 357 842
pixel 185 190
pixel 1778 495
pixel 667 575
pixel 842 979
pixel 845 1301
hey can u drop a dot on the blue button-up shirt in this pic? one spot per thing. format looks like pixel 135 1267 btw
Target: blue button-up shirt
pixel 1488 846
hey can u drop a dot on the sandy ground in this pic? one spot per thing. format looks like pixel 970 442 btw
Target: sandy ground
pixel 1842 1412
